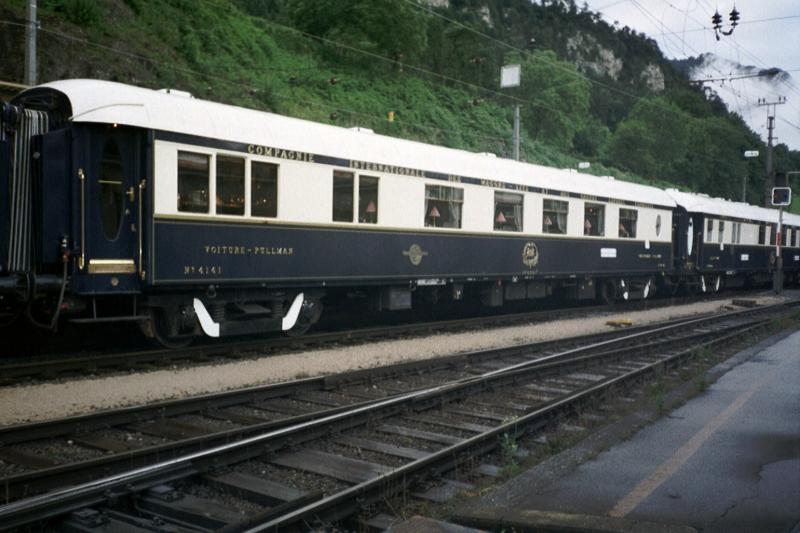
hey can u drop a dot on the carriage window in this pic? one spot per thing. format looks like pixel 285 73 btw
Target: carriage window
pixel 342 196
pixel 658 226
pixel 721 230
pixel 554 216
pixel 773 230
pixel 738 232
pixel 443 206
pixel 110 182
pixel 788 237
pixel 263 189
pixel 762 234
pixel 193 182
pixel 230 185
pixel 594 219
pixel 709 230
pixel 627 223
pixel 797 236
pixel 507 211
pixel 368 199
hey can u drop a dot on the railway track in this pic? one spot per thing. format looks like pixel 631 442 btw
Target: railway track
pixel 13 370
pixel 359 438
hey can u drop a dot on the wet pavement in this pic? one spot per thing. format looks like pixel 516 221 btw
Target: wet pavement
pixel 728 461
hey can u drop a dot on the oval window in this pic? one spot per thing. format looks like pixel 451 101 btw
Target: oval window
pixel 110 187
pixel 658 225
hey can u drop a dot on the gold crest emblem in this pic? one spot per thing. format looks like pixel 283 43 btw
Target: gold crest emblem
pixel 415 253
pixel 530 255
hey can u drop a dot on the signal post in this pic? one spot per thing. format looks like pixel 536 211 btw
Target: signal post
pixel 781 196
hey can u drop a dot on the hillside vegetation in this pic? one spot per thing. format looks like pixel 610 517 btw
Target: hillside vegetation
pixel 590 91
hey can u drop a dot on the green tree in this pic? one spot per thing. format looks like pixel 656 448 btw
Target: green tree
pixel 714 163
pixel 557 98
pixel 387 27
pixel 592 138
pixel 652 140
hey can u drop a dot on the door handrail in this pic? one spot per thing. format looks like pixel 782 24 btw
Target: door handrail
pixel 142 273
pixel 82 257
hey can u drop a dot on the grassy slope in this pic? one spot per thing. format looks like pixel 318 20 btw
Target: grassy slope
pixel 217 52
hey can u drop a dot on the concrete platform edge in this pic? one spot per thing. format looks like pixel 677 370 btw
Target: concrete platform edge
pixel 486 512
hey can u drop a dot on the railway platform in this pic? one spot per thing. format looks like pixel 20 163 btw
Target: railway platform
pixel 727 460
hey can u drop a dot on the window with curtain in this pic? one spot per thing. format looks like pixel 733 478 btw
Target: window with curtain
pixel 263 189
pixel 193 175
pixel 627 223
pixel 554 216
pixel 594 219
pixel 709 230
pixel 343 190
pixel 443 206
pixel 507 211
pixel 721 230
pixel 368 199
pixel 230 185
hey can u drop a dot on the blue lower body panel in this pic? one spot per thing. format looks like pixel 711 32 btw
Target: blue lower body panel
pixel 273 255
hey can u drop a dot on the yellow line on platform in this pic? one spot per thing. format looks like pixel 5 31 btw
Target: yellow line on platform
pixel 666 470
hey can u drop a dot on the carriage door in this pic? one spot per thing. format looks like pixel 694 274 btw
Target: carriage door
pixel 112 210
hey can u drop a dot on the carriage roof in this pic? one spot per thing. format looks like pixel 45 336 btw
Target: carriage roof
pixel 109 102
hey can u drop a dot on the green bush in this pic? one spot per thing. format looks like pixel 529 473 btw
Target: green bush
pixel 81 12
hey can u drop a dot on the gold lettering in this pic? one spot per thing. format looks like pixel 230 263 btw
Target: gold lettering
pixel 250 148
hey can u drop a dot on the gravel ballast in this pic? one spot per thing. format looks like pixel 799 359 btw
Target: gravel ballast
pixel 19 404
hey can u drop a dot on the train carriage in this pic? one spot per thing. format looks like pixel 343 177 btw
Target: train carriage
pixel 730 243
pixel 184 214
pixel 126 204
pixel 791 247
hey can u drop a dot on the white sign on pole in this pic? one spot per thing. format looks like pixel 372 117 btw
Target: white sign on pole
pixel 510 76
pixel 751 153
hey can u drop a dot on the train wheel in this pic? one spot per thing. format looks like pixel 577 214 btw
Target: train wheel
pixel 166 331
pixel 648 289
pixel 310 313
pixel 624 290
pixel 607 293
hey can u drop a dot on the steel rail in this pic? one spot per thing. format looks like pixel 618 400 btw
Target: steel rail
pixel 53 366
pixel 44 479
pixel 35 507
pixel 71 473
pixel 101 419
pixel 400 478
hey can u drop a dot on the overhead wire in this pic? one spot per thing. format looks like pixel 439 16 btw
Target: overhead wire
pixel 247 87
pixel 403 66
pixel 669 33
pixel 741 23
pixel 523 52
